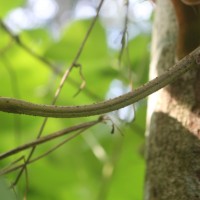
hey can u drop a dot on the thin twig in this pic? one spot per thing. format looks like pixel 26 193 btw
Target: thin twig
pixel 64 77
pixel 55 69
pixel 124 34
pixel 82 86
pixel 11 169
pixel 60 144
pixel 28 50
pixel 47 138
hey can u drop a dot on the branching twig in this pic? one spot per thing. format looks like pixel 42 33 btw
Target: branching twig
pixel 47 138
pixel 64 77
pixel 60 144
pixel 46 62
pixel 84 127
pixel 191 61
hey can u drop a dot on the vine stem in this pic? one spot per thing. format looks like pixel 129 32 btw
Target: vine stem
pixel 23 107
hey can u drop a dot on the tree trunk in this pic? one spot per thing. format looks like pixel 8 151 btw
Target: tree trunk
pixel 173 145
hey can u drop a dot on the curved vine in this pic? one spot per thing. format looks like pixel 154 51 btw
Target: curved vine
pixel 23 107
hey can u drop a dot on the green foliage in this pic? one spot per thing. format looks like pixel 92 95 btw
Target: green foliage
pixel 74 171
pixel 6 6
pixel 66 48
pixel 6 194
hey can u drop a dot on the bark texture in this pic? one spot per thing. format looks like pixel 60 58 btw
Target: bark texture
pixel 173 145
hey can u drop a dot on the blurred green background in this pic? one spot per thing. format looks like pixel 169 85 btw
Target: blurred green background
pixel 98 164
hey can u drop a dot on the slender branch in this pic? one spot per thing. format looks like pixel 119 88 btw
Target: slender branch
pixel 124 38
pixel 49 137
pixel 14 168
pixel 42 59
pixel 60 144
pixel 22 107
pixel 17 39
pixel 63 79
pixel 23 165
pixel 75 60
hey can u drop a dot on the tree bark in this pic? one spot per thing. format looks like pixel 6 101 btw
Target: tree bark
pixel 173 145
